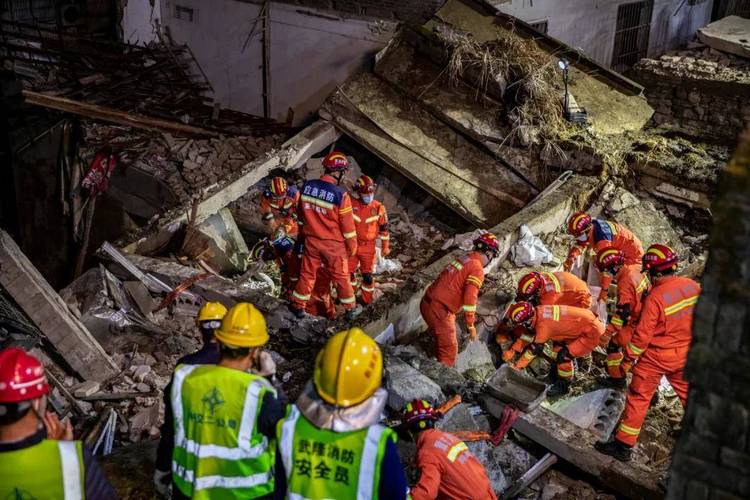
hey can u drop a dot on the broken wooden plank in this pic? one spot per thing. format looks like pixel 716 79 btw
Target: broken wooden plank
pixel 51 315
pixel 576 445
pixel 104 113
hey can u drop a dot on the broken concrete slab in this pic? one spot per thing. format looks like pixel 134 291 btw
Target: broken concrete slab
pixel 475 361
pixel 447 377
pixel 404 384
pixel 51 315
pixel 516 388
pixel 86 388
pixel 731 35
pixel 597 411
pixel 226 248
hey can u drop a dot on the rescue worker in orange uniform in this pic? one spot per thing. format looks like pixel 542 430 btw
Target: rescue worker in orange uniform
pixel 371 221
pixel 325 210
pixel 597 234
pixel 456 290
pixel 321 302
pixel 278 207
pixel 561 288
pixel 575 331
pixel 447 468
pixel 632 286
pixel 283 250
pixel 659 345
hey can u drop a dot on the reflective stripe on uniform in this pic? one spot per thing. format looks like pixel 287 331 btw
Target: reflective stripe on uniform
pixel 356 218
pixel 556 313
pixel 614 362
pixel 642 285
pixel 679 306
pixel 385 237
pixel 457 265
pixel 71 470
pixel 369 462
pixel 353 234
pixel 456 450
pixel 368 289
pixel 617 321
pixel 287 440
pixel 635 350
pixel 371 219
pixel 565 373
pixel 318 202
pixel 206 482
pixel 301 297
pixel 345 210
pixel 553 279
pixel 474 281
pixel 468 308
pixel 527 338
pixel 347 300
pixel 244 436
pixel 630 431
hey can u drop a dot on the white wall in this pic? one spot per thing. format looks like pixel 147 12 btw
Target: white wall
pixel 590 24
pixel 311 52
pixel 140 20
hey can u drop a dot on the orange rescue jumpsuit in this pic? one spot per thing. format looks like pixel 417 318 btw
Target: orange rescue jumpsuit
pixel 321 302
pixel 455 290
pixel 330 239
pixel 282 212
pixel 631 285
pixel 371 222
pixel 578 329
pixel 660 343
pixel 605 234
pixel 448 470
pixel 560 288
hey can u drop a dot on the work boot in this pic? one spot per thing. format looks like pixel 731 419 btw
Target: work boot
pixel 612 383
pixel 559 388
pixel 298 313
pixel 350 314
pixel 616 449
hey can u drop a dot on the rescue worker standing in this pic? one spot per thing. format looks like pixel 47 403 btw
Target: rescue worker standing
pixel 371 221
pixel 278 207
pixel 225 417
pixel 456 290
pixel 330 445
pixel 38 457
pixel 658 347
pixel 632 285
pixel 574 331
pixel 559 288
pixel 330 236
pixel 447 468
pixel 208 320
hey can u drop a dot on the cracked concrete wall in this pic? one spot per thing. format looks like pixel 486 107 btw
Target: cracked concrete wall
pixel 590 24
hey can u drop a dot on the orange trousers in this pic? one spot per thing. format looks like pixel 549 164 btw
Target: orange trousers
pixel 332 255
pixel 291 262
pixel 365 261
pixel 442 325
pixel 647 374
pixel 614 351
pixel 321 302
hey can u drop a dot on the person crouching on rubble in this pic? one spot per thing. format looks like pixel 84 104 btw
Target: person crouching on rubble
pixel 225 415
pixel 658 348
pixel 455 290
pixel 208 320
pixel 547 289
pixel 330 444
pixel 447 468
pixel 38 456
pixel 371 221
pixel 574 332
pixel 278 207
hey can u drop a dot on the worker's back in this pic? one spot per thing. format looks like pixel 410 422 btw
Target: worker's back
pixel 367 219
pixel 606 233
pixel 459 474
pixel 631 286
pixel 668 312
pixel 322 207
pixel 565 289
pixel 448 288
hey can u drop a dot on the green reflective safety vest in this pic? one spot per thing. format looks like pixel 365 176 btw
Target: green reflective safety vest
pixel 219 452
pixel 323 464
pixel 49 469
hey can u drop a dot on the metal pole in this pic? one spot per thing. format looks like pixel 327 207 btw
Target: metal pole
pixel 565 110
pixel 266 59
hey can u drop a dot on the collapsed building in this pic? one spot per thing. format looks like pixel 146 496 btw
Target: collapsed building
pixel 458 121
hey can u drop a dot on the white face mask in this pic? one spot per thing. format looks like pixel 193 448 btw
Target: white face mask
pixel 583 237
pixel 367 199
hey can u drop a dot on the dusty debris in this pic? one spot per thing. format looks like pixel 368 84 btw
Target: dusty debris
pixel 730 35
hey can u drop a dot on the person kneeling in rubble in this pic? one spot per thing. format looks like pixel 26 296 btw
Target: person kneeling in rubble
pixel 330 445
pixel 560 288
pixel 38 456
pixel 225 415
pixel 456 289
pixel 574 332
pixel 658 348
pixel 597 234
pixel 278 207
pixel 447 468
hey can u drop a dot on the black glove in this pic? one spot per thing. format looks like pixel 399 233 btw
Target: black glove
pixel 537 349
pixel 563 354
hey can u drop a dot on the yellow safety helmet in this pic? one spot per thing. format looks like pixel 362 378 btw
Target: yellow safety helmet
pixel 243 326
pixel 211 311
pixel 349 369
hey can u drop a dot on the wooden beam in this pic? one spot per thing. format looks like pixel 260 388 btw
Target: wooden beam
pixel 576 445
pixel 104 113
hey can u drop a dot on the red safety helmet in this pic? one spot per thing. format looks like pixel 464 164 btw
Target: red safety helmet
pixel 520 312
pixel 487 242
pixel 609 257
pixel 21 376
pixel 335 161
pixel 659 257
pixel 364 185
pixel 419 410
pixel 578 223
pixel 278 187
pixel 529 285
